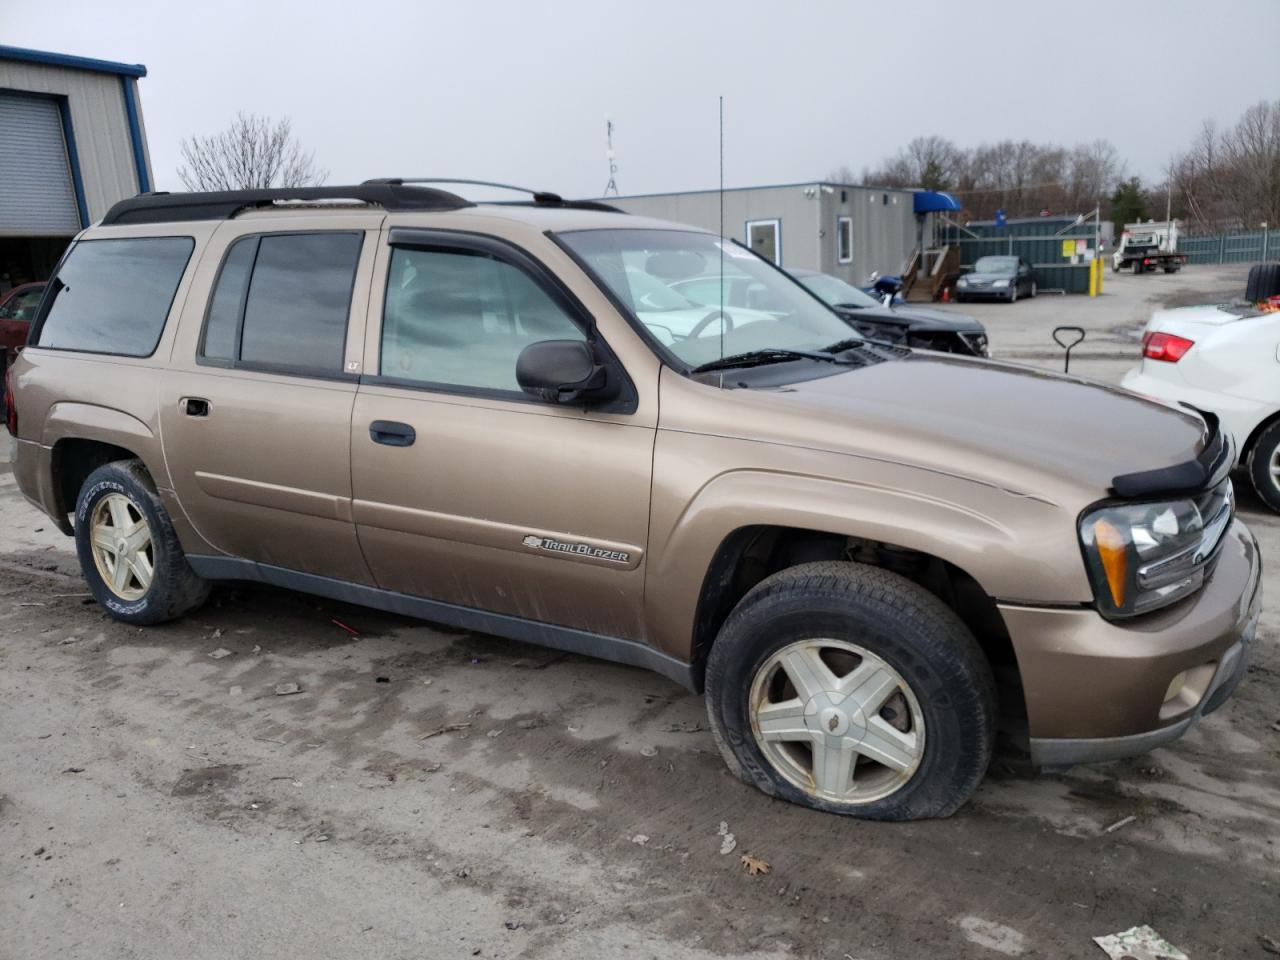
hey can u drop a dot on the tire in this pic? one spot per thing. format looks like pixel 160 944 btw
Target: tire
pixel 1170 269
pixel 896 624
pixel 1263 282
pixel 1138 267
pixel 123 493
pixel 1034 288
pixel 1013 294
pixel 1264 458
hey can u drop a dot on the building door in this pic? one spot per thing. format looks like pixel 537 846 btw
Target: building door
pixel 38 208
pixel 36 193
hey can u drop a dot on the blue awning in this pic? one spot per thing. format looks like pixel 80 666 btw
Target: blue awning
pixel 931 201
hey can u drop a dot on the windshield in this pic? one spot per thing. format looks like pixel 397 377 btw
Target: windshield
pixel 996 265
pixel 672 281
pixel 835 291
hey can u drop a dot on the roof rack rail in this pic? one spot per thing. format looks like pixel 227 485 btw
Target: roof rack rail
pixel 540 198
pixel 225 204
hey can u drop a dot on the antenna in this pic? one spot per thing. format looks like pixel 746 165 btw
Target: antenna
pixel 722 239
pixel 608 154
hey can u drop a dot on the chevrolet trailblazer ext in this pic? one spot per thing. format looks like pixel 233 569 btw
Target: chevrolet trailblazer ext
pixel 506 418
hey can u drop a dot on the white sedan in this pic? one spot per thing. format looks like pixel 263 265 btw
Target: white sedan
pixel 1223 360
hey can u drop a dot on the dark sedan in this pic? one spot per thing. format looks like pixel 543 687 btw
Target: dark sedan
pixel 997 278
pixel 907 324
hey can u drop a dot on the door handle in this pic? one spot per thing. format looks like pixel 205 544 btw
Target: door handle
pixel 392 433
pixel 194 406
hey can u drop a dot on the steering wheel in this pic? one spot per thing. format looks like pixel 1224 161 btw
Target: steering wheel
pixel 708 320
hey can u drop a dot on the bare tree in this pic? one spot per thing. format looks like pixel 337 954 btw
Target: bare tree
pixel 932 162
pixel 1231 178
pixel 252 153
pixel 1017 176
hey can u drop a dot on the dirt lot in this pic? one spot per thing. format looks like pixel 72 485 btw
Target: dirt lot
pixel 159 802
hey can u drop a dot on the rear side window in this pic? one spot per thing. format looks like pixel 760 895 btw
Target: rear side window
pixel 112 296
pixel 282 301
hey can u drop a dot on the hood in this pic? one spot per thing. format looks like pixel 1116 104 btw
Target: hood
pixel 911 317
pixel 1042 434
pixel 975 277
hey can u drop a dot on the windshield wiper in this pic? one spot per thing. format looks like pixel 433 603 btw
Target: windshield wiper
pixel 756 358
pixel 841 345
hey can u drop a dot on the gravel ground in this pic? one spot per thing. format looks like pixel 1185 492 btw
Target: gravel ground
pixel 441 794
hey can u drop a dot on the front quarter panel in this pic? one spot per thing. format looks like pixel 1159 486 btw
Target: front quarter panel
pixel 708 486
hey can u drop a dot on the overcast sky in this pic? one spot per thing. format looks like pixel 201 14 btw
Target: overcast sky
pixel 519 91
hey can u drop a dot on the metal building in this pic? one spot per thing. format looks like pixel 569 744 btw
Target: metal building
pixel 844 230
pixel 72 145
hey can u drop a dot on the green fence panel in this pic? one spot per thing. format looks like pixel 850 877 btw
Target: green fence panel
pixel 1242 246
pixel 1050 246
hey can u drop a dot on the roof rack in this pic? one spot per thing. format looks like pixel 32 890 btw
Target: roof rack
pixel 225 204
pixel 540 198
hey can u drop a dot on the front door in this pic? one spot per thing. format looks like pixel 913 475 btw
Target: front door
pixel 469 491
pixel 256 408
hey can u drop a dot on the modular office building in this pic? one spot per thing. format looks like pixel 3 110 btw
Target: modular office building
pixel 840 229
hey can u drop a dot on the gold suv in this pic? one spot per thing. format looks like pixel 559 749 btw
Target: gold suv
pixel 508 418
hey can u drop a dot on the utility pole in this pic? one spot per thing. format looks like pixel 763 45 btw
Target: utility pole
pixel 608 153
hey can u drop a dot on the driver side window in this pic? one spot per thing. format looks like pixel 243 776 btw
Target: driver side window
pixel 460 318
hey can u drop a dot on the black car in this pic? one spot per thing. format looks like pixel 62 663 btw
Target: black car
pixel 997 278
pixel 908 325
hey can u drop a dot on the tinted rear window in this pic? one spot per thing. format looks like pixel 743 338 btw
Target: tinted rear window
pixel 112 296
pixel 299 299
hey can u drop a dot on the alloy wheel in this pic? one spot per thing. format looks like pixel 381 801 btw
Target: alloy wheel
pixel 837 721
pixel 123 551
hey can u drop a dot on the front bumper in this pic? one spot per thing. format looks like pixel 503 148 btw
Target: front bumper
pixel 984 293
pixel 1096 690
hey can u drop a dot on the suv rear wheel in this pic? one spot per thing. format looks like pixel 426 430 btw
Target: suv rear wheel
pixel 129 553
pixel 852 690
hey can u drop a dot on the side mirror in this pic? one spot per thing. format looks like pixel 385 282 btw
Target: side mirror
pixel 565 371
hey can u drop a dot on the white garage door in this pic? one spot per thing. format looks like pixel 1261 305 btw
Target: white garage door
pixel 36 195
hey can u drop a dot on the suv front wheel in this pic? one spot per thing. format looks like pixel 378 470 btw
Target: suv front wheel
pixel 852 690
pixel 129 552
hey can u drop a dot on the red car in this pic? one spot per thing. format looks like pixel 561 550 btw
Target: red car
pixel 17 308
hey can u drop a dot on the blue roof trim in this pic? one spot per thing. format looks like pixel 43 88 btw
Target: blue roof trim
pixel 934 201
pixel 72 63
pixel 73 161
pixel 130 89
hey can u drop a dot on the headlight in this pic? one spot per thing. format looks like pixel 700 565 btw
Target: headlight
pixel 962 282
pixel 1001 283
pixel 1143 556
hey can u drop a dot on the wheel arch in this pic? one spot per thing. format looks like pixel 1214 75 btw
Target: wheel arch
pixel 1246 449
pixel 82 437
pixel 749 554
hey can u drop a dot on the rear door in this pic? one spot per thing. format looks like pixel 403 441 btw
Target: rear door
pixel 469 491
pixel 256 406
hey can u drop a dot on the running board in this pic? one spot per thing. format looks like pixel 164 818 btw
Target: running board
pixel 571 640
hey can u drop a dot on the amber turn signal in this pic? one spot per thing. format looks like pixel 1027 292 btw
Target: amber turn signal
pixel 1114 554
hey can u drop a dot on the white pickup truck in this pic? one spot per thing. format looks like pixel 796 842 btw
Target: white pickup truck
pixel 1145 246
